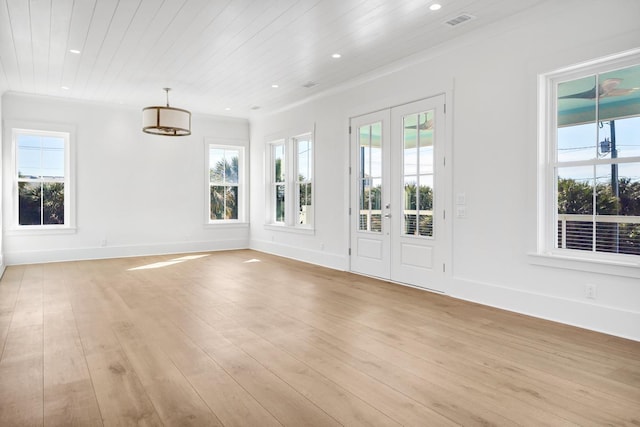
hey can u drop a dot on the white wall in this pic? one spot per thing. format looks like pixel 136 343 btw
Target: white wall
pixel 142 194
pixel 2 265
pixel 490 80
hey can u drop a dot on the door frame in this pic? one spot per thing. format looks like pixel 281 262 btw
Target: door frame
pixel 446 179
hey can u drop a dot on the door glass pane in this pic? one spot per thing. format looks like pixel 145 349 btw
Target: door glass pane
pixel 410 144
pixel 426 142
pixel 370 177
pixel 376 205
pixel 364 211
pixel 410 212
pixel 376 150
pixel 425 205
pixel 418 159
pixel 365 151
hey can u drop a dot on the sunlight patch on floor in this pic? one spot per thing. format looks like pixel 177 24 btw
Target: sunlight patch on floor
pixel 174 261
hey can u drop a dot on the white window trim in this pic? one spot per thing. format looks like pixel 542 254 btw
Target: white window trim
pixel 291 181
pixel 13 128
pixel 297 182
pixel 546 254
pixel 243 184
pixel 272 184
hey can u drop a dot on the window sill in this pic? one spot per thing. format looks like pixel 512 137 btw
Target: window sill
pixel 593 265
pixel 290 229
pixel 226 224
pixel 40 231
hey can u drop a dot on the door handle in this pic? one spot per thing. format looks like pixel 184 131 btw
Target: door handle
pixel 387 216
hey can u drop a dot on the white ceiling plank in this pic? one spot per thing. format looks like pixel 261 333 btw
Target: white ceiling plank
pixel 4 83
pixel 266 25
pixel 220 53
pixel 134 71
pixel 100 23
pixel 60 22
pixel 20 24
pixel 82 16
pixel 251 26
pixel 191 24
pixel 116 32
pixel 135 42
pixel 232 20
pixel 8 58
pixel 40 35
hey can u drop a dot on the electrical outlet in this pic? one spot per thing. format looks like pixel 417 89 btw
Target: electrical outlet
pixel 590 291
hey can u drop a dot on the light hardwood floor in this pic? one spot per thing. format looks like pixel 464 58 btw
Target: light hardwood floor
pixel 245 338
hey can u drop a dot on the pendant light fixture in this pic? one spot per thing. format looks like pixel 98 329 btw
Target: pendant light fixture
pixel 167 120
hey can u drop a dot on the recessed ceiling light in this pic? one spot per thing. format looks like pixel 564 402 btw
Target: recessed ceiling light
pixel 275 86
pixel 227 109
pixel 65 88
pixel 76 51
pixel 336 56
pixel 435 6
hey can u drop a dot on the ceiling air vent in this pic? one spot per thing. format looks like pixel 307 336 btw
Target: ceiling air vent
pixel 460 19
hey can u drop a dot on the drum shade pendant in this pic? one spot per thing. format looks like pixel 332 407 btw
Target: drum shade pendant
pixel 167 120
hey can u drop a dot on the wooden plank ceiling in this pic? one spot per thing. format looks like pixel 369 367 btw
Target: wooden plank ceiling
pixel 219 56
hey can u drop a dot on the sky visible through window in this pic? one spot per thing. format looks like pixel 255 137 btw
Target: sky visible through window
pixel 583 142
pixel 40 156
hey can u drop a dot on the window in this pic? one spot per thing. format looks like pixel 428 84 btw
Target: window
pixel 42 179
pixel 290 201
pixel 279 184
pixel 304 182
pixel 591 182
pixel 225 179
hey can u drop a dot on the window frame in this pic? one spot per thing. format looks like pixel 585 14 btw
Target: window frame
pixel 297 182
pixel 291 182
pixel 67 132
pixel 547 203
pixel 242 185
pixel 275 184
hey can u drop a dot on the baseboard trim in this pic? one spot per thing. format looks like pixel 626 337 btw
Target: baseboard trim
pixel 586 315
pixel 80 254
pixel 320 258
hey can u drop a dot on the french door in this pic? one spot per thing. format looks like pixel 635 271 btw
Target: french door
pixel 398 187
